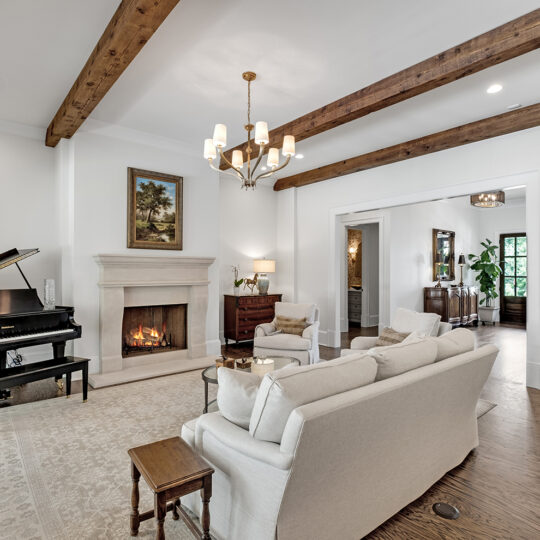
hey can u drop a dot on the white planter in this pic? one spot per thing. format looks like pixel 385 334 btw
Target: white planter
pixel 488 314
pixel 236 291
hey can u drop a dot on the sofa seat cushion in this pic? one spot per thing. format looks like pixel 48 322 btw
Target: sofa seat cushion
pixel 405 320
pixel 286 342
pixel 283 391
pixel 410 354
pixel 452 343
pixel 236 395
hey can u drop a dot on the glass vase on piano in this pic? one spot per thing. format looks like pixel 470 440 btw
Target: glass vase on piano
pixel 49 297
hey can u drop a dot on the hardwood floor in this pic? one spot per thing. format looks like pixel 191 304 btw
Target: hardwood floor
pixel 496 488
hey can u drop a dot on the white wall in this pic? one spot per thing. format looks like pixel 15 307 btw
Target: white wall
pixel 98 181
pixel 29 215
pixel 453 172
pixel 247 231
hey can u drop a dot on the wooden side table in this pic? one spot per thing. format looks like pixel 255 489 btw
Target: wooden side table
pixel 171 469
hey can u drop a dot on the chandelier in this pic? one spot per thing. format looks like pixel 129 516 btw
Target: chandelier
pixel 249 177
pixel 488 200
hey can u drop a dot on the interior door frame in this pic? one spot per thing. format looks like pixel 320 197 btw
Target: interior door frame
pixel 519 300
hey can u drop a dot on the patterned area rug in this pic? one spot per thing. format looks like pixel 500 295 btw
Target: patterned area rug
pixel 64 468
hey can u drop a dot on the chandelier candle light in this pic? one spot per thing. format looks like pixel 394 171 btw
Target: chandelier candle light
pixel 219 142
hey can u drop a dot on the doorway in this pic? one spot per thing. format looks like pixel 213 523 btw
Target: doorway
pixel 513 282
pixel 362 282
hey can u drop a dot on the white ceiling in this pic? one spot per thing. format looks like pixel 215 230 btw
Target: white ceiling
pixel 306 53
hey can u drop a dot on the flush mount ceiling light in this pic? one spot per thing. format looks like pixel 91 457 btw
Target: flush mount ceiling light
pixel 299 156
pixel 488 200
pixel 494 88
pixel 219 141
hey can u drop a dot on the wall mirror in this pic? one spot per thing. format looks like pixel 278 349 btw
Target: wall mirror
pixel 443 255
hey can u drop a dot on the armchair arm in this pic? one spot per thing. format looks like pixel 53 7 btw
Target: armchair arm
pixel 241 441
pixel 311 331
pixel 265 329
pixel 363 342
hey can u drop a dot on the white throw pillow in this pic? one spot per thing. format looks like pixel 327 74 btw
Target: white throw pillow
pixel 236 395
pixel 284 390
pixel 405 320
pixel 452 343
pixel 397 359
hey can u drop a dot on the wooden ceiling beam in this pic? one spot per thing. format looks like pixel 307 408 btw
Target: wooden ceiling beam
pixel 132 25
pixel 505 42
pixel 487 128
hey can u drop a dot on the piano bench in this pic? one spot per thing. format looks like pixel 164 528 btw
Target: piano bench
pixel 56 367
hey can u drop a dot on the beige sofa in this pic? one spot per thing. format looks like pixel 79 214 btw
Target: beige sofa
pixel 347 462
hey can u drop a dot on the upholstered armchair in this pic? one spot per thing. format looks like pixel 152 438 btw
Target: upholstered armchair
pixel 404 320
pixel 271 342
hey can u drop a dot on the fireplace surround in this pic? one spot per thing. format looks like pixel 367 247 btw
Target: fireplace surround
pixel 135 281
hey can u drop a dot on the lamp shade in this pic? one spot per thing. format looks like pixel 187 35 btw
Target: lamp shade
pixel 264 266
pixel 461 260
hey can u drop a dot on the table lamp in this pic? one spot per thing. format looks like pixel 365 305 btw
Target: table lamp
pixel 461 262
pixel 262 267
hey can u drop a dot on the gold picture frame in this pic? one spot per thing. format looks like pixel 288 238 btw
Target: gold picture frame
pixel 155 210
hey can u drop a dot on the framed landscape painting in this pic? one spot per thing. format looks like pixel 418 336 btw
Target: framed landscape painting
pixel 154 210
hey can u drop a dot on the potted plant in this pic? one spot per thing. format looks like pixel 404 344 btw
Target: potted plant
pixel 237 282
pixel 487 266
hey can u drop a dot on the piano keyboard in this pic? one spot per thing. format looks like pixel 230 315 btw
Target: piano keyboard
pixel 33 336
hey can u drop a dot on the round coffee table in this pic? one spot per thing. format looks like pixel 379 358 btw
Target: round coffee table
pixel 209 375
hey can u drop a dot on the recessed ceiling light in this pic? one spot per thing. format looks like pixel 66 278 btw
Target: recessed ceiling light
pixel 299 156
pixel 514 106
pixel 494 88
pixel 264 167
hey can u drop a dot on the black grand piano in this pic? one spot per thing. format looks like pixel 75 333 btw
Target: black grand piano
pixel 25 322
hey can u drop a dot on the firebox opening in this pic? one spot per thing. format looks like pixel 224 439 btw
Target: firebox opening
pixel 151 329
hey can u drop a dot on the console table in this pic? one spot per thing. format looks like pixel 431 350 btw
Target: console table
pixel 456 305
pixel 244 313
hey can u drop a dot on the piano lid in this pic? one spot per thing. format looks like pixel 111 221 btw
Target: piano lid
pixel 13 301
pixel 13 256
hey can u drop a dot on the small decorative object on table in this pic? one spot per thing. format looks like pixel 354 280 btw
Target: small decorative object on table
pixel 250 283
pixel 223 361
pixel 263 267
pixel 237 282
pixel 243 363
pixel 262 366
pixel 49 295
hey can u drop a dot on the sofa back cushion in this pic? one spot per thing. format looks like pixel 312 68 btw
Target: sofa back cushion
pixel 296 311
pixel 405 320
pixel 236 395
pixel 282 391
pixel 410 354
pixel 452 343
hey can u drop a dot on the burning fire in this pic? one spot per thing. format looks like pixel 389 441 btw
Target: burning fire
pixel 144 336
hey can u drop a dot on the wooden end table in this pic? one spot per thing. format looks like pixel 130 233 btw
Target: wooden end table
pixel 171 469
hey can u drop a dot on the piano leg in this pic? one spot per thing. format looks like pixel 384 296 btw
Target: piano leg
pixel 59 349
pixel 68 384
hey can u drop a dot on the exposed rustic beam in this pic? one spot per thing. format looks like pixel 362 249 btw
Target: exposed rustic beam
pixel 130 28
pixel 487 128
pixel 503 43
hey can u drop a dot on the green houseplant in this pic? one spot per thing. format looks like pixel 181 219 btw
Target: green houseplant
pixel 488 270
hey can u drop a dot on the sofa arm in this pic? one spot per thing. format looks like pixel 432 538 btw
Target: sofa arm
pixel 241 441
pixel 265 329
pixel 363 342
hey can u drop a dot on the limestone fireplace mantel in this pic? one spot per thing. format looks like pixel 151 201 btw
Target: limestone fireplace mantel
pixel 139 280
